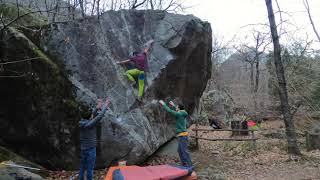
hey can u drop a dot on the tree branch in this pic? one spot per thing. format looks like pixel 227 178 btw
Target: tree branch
pixel 19 61
pixel 135 5
pixel 281 19
pixel 23 75
pixel 23 15
pixel 306 5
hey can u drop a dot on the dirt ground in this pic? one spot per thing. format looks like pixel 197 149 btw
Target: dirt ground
pixel 239 160
pixel 267 159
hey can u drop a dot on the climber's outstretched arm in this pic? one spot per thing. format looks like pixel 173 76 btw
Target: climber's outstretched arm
pixel 123 62
pixel 150 44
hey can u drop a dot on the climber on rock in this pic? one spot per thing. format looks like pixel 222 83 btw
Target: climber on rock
pixel 140 61
pixel 88 139
pixel 181 129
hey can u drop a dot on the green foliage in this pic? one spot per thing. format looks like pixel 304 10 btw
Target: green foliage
pixel 10 12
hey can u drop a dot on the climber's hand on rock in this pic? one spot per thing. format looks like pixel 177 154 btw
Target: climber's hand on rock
pixel 151 42
pixel 161 102
pixel 99 104
pixel 107 102
pixel 171 103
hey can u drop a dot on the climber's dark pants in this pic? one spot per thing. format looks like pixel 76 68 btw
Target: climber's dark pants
pixel 183 151
pixel 88 160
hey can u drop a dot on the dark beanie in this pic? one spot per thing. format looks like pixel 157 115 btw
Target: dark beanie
pixel 85 111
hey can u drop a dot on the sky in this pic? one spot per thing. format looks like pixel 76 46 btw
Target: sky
pixel 230 17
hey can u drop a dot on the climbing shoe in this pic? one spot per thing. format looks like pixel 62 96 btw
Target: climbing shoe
pixel 139 99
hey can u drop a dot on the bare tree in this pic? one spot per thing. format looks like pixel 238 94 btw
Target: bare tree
pixel 47 8
pixel 151 4
pixel 6 25
pixel 166 5
pixel 283 93
pixel 98 8
pixel 65 10
pixel 71 8
pixel 18 9
pixel 29 4
pixel 306 5
pixel 252 55
pixel 56 10
pixel 112 5
pixel 51 8
pixel 247 56
pixel 174 6
pixel 81 3
pixel 93 7
pixel 135 4
pixel 220 49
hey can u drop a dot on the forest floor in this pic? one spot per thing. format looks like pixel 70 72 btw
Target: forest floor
pixel 239 160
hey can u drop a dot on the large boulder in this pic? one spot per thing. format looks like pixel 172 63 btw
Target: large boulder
pixel 216 104
pixel 38 111
pixel 313 137
pixel 179 68
pixel 10 171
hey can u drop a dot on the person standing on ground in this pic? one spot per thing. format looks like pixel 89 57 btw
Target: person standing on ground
pixel 88 137
pixel 141 66
pixel 181 128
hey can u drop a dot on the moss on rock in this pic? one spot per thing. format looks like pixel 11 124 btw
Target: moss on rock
pixel 10 12
pixel 7 155
pixel 40 110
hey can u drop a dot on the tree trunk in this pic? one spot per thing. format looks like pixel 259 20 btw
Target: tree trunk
pixel 256 86
pixel 69 8
pixel 283 94
pixel 47 9
pixel 18 9
pixel 98 8
pixel 306 4
pixel 239 125
pixel 112 5
pixel 82 8
pixel 29 5
pixel 56 11
pixel 312 140
pixel 74 9
pixel 151 4
pixel 251 78
pixel 93 6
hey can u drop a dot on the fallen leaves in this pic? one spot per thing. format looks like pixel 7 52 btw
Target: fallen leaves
pixel 236 160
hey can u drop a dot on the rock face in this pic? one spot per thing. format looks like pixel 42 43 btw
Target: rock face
pixel 38 111
pixel 216 104
pixel 8 173
pixel 313 137
pixel 179 67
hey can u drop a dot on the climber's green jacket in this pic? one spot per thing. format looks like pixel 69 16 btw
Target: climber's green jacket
pixel 180 116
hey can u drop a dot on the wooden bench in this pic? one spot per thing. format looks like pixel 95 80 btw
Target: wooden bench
pixel 252 138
